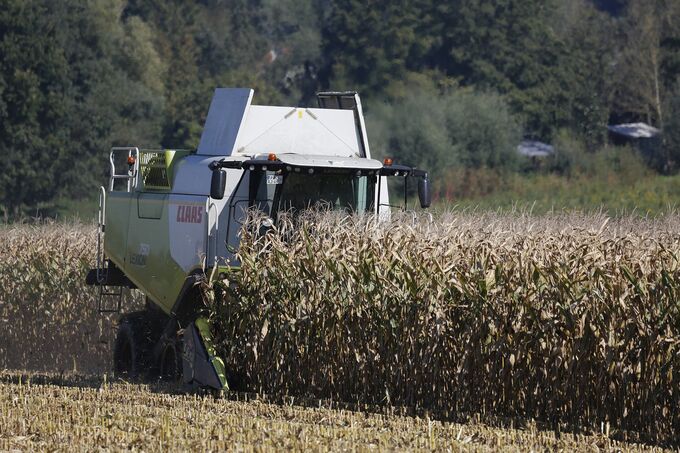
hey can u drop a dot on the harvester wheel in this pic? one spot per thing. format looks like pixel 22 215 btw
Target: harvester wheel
pixel 170 365
pixel 129 350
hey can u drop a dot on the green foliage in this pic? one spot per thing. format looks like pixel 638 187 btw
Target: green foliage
pixel 441 131
pixel 541 193
pixel 552 61
pixel 78 77
pixel 615 180
pixel 293 31
pixel 586 71
pixel 506 46
pixel 671 143
pixel 70 88
pixel 370 45
pixel 34 76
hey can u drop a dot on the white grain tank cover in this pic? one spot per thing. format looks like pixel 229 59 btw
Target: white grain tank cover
pixel 271 129
pixel 227 112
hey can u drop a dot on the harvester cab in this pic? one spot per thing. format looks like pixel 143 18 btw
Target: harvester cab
pixel 168 215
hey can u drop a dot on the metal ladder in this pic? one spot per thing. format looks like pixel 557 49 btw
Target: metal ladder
pixel 115 293
pixel 111 297
pixel 104 304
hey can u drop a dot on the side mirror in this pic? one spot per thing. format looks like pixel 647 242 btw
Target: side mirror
pixel 218 183
pixel 424 192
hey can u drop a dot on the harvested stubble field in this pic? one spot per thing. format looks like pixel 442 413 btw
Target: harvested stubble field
pixel 571 320
pixel 56 413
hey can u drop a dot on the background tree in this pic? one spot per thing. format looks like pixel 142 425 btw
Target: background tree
pixel 37 99
pixel 371 46
pixel 505 46
pixel 586 71
pixel 78 77
pixel 438 131
pixel 646 67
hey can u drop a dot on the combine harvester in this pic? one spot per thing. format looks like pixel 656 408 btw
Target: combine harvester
pixel 166 216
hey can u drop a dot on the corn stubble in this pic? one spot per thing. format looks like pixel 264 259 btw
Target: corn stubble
pixel 57 413
pixel 569 319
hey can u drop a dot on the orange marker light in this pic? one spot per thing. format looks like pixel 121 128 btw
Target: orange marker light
pixel 131 160
pixel 387 162
pixel 272 156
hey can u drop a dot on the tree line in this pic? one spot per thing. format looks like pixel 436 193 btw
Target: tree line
pixel 444 84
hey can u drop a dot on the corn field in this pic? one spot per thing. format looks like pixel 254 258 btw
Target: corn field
pixel 568 319
pixel 48 316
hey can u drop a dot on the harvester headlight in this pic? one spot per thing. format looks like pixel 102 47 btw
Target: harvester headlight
pixel 251 168
pixel 310 171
